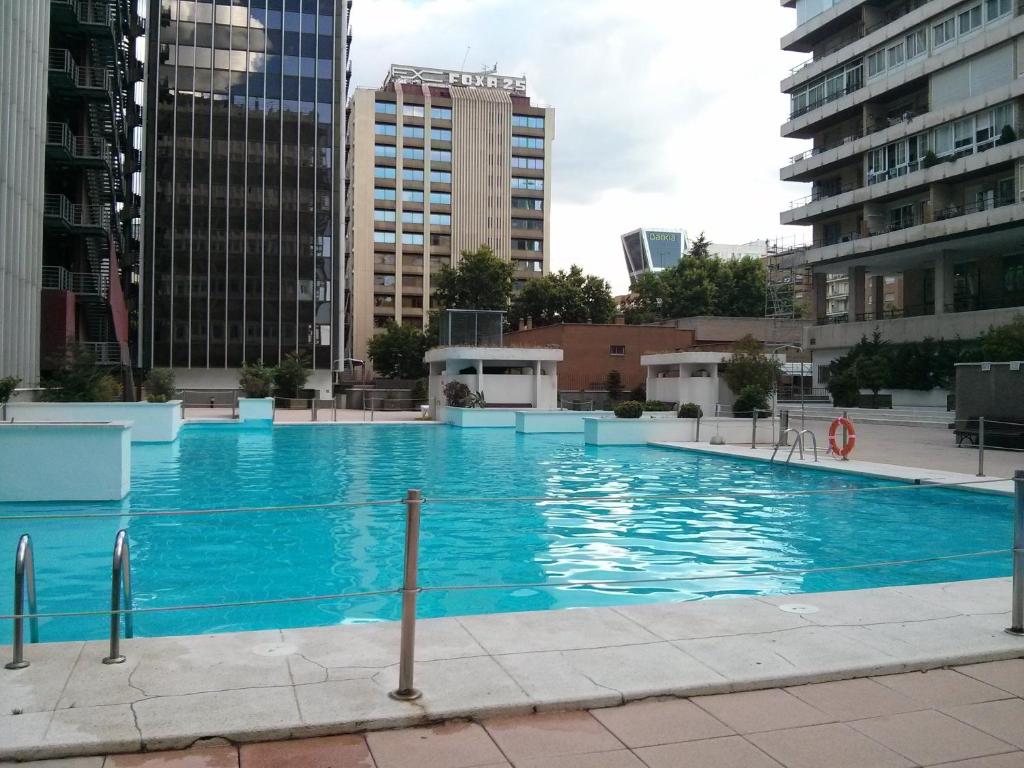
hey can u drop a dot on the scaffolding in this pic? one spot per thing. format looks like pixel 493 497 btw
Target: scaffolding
pixel 787 279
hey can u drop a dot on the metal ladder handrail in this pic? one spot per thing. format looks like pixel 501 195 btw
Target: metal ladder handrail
pixel 121 576
pixel 782 441
pixel 24 581
pixel 814 443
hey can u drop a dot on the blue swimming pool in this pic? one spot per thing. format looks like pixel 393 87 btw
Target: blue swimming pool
pixel 254 556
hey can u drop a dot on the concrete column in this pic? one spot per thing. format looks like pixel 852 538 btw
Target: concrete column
pixel 855 304
pixel 878 294
pixel 819 289
pixel 479 375
pixel 536 383
pixel 943 282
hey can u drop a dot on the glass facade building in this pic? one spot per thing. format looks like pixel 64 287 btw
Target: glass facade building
pixel 652 250
pixel 244 182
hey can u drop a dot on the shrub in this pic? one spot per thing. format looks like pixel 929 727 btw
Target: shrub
pixel 7 387
pixel 160 385
pixel 657 406
pixel 749 366
pixel 751 398
pixel 419 391
pixel 613 383
pixel 256 380
pixel 638 393
pixel 929 159
pixel 844 390
pixel 872 372
pixel 456 394
pixel 630 409
pixel 476 400
pixel 78 379
pixel 291 375
pixel 690 411
pixel 397 353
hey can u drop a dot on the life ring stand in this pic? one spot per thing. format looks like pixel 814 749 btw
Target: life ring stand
pixel 851 437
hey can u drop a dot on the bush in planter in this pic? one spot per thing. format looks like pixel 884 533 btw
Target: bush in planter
pixel 456 394
pixel 751 398
pixel 613 383
pixel 476 400
pixel 690 411
pixel 929 159
pixel 78 379
pixel 256 380
pixel 844 390
pixel 630 409
pixel 638 393
pixel 1007 135
pixel 160 385
pixel 7 386
pixel 291 375
pixel 658 405
pixel 419 391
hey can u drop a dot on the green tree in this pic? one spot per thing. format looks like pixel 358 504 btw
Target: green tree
pixel 700 248
pixel 291 375
pixel 1005 342
pixel 872 372
pixel 613 383
pixel 7 386
pixel 567 297
pixel 398 352
pixel 76 378
pixel 480 281
pixel 256 379
pixel 647 294
pixel 750 366
pixel 160 385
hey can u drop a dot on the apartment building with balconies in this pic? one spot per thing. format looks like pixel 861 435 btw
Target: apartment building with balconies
pixel 914 108
pixel 440 162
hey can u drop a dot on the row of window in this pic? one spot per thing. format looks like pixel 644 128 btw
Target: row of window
pixel 413 196
pixel 413 217
pixel 412 132
pixel 412 153
pixel 412 174
pixel 527 223
pixel 528 203
pixel 520 182
pixel 831 86
pixel 910 47
pixel 527 142
pixel 412 110
pixel 527 121
pixel 522 244
pixel 531 163
pixel 408 238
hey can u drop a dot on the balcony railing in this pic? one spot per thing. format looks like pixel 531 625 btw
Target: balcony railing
pixel 80 283
pixel 87 78
pixel 80 147
pixel 107 352
pixel 826 99
pixel 56 206
pixel 823 194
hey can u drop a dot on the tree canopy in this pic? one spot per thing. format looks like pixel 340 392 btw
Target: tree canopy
pixel 481 280
pixel 751 367
pixel 398 352
pixel 565 297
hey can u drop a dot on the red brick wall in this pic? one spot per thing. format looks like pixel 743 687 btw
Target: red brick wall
pixel 587 350
pixel 57 325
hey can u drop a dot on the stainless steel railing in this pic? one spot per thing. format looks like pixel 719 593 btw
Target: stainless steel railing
pixel 121 579
pixel 24 584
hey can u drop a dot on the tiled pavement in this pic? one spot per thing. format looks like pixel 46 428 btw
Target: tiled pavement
pixel 967 717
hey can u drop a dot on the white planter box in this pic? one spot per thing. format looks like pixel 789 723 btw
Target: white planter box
pixel 256 409
pixel 562 422
pixel 914 398
pixel 613 431
pixel 480 417
pixel 51 461
pixel 150 422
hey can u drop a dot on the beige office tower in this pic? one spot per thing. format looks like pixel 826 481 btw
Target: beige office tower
pixel 440 162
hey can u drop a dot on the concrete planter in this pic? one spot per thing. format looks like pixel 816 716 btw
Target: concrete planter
pixel 613 431
pixel 480 417
pixel 914 398
pixel 256 409
pixel 554 422
pixel 150 422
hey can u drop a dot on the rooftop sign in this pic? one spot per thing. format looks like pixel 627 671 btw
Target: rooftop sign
pixel 449 77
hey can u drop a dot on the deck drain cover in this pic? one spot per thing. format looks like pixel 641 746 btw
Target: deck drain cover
pixel 797 608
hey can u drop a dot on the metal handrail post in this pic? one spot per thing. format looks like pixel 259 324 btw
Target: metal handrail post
pixel 981 446
pixel 696 437
pixel 753 429
pixel 314 409
pixel 121 576
pixel 407 656
pixel 24 581
pixel 1017 611
pixel 814 443
pixel 335 401
pixel 846 437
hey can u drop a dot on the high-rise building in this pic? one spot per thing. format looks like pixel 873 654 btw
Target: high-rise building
pixel 24 32
pixel 652 250
pixel 243 190
pixel 914 110
pixel 440 162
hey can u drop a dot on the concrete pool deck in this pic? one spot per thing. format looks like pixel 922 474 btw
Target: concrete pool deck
pixel 258 686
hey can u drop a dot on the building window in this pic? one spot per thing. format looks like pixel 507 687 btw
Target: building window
pixel 412 131
pixel 440 113
pixel 440 134
pixel 522 244
pixel 385 107
pixel 440 156
pixel 412 110
pixel 383 300
pixel 384 150
pixel 527 223
pixel 528 203
pixel 412 174
pixel 996 8
pixel 385 129
pixel 944 32
pixel 384 281
pixel 412 217
pixel 380 193
pixel 529 265
pixel 532 163
pixel 383 237
pixel 440 198
pixel 617 350
pixel 527 121
pixel 520 182
pixel 383 215
pixel 412 238
pixel 440 177
pixel 412 196
pixel 412 153
pixel 527 142
pixel 969 20
pixel 441 219
pixel 383 172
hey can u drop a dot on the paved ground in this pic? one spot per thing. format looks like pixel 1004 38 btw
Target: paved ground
pixel 966 717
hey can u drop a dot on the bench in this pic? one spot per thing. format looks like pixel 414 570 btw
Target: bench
pixel 998 432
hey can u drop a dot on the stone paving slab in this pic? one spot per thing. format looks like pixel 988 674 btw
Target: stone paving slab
pixel 255 686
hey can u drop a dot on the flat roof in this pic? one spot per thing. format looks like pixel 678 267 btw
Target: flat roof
pixel 505 354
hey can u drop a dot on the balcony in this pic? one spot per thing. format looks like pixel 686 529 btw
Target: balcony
pixel 61 213
pixel 65 147
pixel 113 353
pixel 72 16
pixel 85 284
pixel 65 76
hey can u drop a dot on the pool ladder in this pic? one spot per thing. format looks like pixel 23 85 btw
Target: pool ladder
pixel 25 587
pixel 797 443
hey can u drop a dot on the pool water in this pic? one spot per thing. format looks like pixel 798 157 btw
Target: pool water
pixel 260 555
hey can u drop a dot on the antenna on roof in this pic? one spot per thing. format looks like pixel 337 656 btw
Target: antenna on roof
pixel 463 67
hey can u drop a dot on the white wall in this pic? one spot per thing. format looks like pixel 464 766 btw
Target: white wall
pixel 564 422
pixel 64 462
pixel 150 422
pixel 480 417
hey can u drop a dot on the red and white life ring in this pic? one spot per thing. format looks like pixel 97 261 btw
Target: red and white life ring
pixel 851 437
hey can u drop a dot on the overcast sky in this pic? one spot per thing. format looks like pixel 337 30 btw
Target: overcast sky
pixel 667 111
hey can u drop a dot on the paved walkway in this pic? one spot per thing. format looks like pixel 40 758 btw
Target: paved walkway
pixel 966 717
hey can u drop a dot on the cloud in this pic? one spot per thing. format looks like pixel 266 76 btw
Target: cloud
pixel 667 112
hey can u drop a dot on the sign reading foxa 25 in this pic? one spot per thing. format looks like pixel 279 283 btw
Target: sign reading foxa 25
pixel 402 74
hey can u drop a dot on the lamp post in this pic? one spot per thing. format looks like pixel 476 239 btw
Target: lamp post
pixel 799 349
